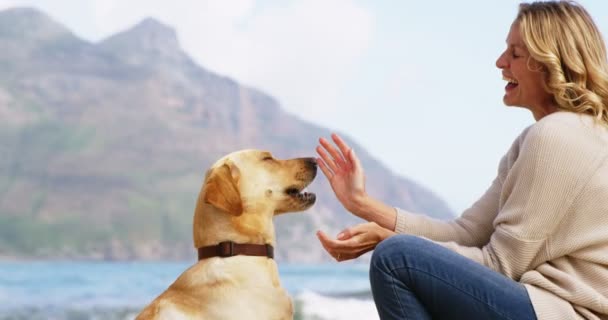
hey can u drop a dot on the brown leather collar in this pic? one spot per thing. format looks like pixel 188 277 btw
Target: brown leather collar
pixel 228 249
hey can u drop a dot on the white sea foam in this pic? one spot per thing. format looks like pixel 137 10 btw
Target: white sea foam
pixel 315 306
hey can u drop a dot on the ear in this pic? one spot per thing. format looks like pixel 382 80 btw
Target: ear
pixel 221 189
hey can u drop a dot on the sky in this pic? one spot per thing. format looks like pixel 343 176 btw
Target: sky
pixel 413 82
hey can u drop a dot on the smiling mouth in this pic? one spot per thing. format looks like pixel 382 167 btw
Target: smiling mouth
pixel 511 83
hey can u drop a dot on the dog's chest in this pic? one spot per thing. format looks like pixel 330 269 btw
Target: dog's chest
pixel 247 306
pixel 239 288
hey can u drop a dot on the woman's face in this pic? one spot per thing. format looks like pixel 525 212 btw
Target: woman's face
pixel 525 77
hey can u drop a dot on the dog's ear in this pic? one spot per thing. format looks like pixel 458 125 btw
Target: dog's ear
pixel 221 189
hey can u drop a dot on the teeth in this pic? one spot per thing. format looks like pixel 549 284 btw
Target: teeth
pixel 306 196
pixel 510 80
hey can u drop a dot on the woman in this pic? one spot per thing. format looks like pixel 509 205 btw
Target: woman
pixel 535 245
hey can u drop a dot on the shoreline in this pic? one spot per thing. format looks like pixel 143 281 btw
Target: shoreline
pixel 116 290
pixel 307 306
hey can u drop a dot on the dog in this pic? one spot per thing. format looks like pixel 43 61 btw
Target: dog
pixel 236 276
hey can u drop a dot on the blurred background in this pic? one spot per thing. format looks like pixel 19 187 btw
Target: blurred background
pixel 111 112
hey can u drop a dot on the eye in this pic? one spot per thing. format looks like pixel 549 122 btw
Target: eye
pixel 267 158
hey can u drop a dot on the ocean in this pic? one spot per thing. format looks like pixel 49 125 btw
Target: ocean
pixel 118 290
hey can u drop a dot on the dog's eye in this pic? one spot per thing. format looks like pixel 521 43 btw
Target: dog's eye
pixel 267 158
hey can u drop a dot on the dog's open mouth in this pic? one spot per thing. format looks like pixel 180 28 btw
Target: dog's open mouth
pixel 299 194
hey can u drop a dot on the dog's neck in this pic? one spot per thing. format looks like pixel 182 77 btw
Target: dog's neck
pixel 212 226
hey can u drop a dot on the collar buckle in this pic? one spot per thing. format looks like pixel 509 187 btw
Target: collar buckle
pixel 225 249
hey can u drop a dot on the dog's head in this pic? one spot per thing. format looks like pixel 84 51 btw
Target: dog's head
pixel 253 179
pixel 247 183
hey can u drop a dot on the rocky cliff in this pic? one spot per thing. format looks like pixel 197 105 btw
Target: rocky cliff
pixel 103 146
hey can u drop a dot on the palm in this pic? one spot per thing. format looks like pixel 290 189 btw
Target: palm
pixel 354 241
pixel 343 170
pixel 347 184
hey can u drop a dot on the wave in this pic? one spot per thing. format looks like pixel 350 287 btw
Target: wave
pixel 118 291
pixel 308 306
pixel 311 305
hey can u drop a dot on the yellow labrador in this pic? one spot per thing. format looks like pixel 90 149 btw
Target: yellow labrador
pixel 236 277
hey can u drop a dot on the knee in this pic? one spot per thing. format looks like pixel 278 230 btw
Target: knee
pixel 386 248
pixel 395 248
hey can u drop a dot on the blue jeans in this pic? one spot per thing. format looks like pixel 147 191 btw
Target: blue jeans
pixel 414 278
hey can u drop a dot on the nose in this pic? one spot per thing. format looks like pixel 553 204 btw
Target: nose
pixel 501 62
pixel 311 162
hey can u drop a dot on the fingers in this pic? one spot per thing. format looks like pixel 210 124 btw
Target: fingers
pixel 337 157
pixel 345 256
pixel 331 245
pixel 328 173
pixel 329 162
pixel 345 234
pixel 354 241
pixel 334 160
pixel 354 159
pixel 352 231
pixel 342 250
pixel 326 242
pixel 344 148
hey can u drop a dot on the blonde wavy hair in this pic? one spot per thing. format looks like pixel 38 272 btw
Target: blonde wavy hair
pixel 562 36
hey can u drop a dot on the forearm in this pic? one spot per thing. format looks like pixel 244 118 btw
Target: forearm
pixel 373 210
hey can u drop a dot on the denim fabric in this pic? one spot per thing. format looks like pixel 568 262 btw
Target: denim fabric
pixel 414 278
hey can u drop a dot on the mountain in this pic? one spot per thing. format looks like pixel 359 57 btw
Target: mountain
pixel 104 146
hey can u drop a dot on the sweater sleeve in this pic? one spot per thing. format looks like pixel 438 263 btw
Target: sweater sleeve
pixel 552 167
pixel 472 228
pixel 475 225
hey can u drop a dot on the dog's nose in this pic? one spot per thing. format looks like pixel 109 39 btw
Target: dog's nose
pixel 312 162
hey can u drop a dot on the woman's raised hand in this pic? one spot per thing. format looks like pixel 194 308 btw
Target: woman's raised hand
pixel 344 172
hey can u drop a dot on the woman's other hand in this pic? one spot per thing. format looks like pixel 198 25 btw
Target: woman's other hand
pixel 354 241
pixel 344 172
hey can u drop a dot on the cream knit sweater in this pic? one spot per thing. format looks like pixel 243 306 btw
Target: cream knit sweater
pixel 543 221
